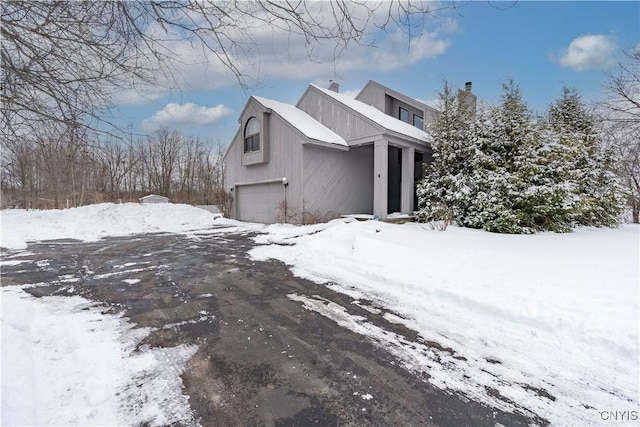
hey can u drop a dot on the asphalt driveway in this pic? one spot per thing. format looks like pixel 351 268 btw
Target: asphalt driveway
pixel 262 359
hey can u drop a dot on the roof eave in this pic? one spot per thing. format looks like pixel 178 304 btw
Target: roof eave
pixel 325 144
pixel 408 137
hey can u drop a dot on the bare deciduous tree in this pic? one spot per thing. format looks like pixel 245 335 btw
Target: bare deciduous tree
pixel 61 168
pixel 626 143
pixel 622 124
pixel 115 165
pixel 65 60
pixel 623 91
pixel 163 150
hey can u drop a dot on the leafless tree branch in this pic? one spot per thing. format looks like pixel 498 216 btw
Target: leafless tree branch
pixel 621 118
pixel 67 61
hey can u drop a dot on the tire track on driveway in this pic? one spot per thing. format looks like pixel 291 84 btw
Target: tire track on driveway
pixel 262 359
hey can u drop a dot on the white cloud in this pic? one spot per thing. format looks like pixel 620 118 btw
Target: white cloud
pixel 177 116
pixel 589 52
pixel 266 52
pixel 350 93
pixel 393 53
pixel 433 103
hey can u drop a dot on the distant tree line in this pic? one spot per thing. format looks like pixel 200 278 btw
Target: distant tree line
pixel 504 169
pixel 69 168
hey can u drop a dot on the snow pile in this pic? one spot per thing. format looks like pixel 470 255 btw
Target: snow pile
pixel 93 222
pixel 66 363
pixel 545 324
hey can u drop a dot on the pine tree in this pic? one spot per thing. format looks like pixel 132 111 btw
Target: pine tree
pixel 501 137
pixel 506 171
pixel 517 190
pixel 553 210
pixel 442 192
pixel 595 195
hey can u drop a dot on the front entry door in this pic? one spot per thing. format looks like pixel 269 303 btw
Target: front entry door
pixel 394 183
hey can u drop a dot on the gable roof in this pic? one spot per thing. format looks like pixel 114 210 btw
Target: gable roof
pixel 307 125
pixel 400 96
pixel 390 123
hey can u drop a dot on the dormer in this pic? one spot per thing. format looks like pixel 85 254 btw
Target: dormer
pixel 396 104
pixel 254 134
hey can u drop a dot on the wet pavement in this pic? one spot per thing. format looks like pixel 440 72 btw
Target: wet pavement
pixel 262 358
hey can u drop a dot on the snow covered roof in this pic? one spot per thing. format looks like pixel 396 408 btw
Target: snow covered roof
pixel 153 196
pixel 300 120
pixel 384 120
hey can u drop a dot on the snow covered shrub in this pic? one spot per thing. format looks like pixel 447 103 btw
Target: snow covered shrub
pixel 437 215
pixel 506 171
pixel 317 217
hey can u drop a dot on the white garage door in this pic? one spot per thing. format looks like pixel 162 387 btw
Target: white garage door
pixel 259 202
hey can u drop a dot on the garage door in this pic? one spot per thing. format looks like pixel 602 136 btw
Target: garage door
pixel 259 202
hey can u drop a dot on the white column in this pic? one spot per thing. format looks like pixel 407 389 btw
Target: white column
pixel 380 178
pixel 406 192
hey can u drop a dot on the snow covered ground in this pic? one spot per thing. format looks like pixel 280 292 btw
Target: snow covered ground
pixel 546 324
pixel 93 222
pixel 64 361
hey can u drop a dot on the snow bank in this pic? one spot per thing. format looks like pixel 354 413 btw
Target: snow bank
pixel 548 321
pixel 93 222
pixel 66 363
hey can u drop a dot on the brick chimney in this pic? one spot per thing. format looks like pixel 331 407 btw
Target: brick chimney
pixel 467 97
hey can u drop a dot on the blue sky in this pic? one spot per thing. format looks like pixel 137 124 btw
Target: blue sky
pixel 541 45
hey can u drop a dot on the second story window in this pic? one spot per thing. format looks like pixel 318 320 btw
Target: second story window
pixel 252 135
pixel 418 122
pixel 403 115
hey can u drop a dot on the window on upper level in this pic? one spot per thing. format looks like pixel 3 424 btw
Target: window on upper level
pixel 252 135
pixel 418 122
pixel 403 115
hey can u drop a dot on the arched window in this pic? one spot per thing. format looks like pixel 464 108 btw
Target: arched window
pixel 252 135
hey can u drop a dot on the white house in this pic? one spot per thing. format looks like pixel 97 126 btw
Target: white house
pixel 328 155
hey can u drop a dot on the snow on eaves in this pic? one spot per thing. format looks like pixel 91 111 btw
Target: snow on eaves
pixel 300 120
pixel 388 122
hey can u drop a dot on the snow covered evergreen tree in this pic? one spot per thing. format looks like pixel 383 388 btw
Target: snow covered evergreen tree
pixel 515 191
pixel 442 193
pixel 595 196
pixel 506 171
